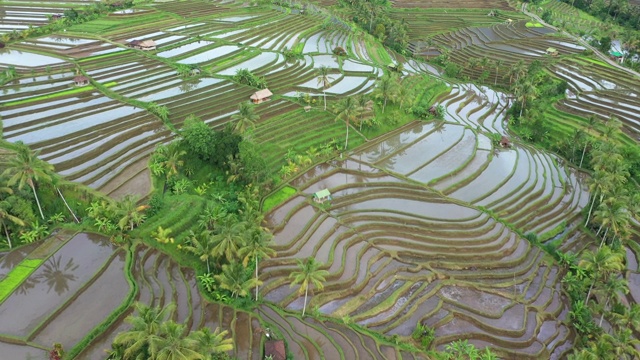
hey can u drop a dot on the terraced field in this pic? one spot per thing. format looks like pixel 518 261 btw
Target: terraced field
pixel 425 223
pixel 161 281
pixel 421 257
pixel 71 281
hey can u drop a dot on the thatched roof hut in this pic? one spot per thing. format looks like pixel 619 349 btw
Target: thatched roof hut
pixel 260 96
pixel 81 80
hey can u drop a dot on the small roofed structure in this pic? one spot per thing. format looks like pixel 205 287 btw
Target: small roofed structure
pixel 275 350
pixel 322 196
pixel 134 43
pixel 260 96
pixel 552 51
pixel 616 55
pixel 307 108
pixel 81 80
pixel 147 45
pixel 509 21
pixel 504 142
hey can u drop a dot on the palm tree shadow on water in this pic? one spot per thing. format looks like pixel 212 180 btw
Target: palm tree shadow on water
pixel 58 276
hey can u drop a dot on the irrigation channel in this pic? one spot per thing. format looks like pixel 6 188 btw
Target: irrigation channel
pixel 424 222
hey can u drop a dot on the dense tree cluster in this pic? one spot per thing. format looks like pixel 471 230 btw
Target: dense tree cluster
pixel 372 16
pixel 623 12
pixel 154 336
pixel 32 197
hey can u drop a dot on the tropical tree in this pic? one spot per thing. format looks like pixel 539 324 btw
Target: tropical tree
pixel 365 106
pixel 245 117
pixel 163 235
pixel 615 287
pixel 601 263
pixel 170 344
pixel 210 343
pixel 309 274
pixel 26 168
pixel 129 214
pixel 498 64
pixel 324 80
pixel 256 248
pixel 165 162
pixel 234 278
pixel 202 247
pixel 144 327
pixel 386 89
pixel 347 110
pixel 228 237
pixel 6 217
pixel 55 180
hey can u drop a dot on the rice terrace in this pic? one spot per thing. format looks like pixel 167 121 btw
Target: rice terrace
pixel 319 179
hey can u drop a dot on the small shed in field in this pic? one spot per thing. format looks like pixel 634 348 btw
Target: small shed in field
pixel 147 45
pixel 275 349
pixel 552 51
pixel 260 96
pixel 134 43
pixel 81 80
pixel 322 196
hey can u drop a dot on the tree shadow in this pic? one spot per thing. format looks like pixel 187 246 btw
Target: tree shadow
pixel 58 276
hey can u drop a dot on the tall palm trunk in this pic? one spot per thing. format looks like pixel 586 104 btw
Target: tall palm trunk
pixel 208 268
pixel 583 151
pixel 586 300
pixel 603 310
pixel 35 194
pixel 346 142
pixel 256 277
pixel 6 232
pixel 325 99
pixel 384 105
pixel 304 307
pixel 67 205
pixel 593 201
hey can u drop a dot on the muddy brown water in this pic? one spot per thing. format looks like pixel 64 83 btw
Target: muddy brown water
pixel 91 305
pixel 54 283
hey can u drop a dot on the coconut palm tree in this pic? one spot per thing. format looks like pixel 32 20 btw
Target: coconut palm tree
pixel 525 91
pixel 386 89
pixel 26 168
pixel 365 106
pixel 324 80
pixel 498 64
pixel 145 326
pixel 202 247
pixel 601 263
pixel 246 118
pixel 6 217
pixel 256 248
pixel 210 343
pixel 55 180
pixel 235 279
pixel 228 237
pixel 309 274
pixel 129 213
pixel 347 110
pixel 615 287
pixel 170 344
